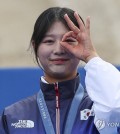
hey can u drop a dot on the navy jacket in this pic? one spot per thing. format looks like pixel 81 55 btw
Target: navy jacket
pixel 19 117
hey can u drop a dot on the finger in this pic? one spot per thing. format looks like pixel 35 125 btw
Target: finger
pixel 68 34
pixel 71 24
pixel 88 24
pixel 67 46
pixel 80 23
pixel 79 36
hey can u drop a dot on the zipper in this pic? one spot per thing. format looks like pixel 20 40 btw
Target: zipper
pixel 57 109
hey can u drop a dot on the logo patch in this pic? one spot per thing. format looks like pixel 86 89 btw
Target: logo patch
pixel 86 113
pixel 23 124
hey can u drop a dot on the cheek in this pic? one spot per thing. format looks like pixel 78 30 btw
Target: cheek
pixel 75 63
pixel 43 53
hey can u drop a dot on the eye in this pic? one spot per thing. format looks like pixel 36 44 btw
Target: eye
pixel 70 40
pixel 48 41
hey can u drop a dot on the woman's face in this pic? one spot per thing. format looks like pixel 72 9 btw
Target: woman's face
pixel 57 63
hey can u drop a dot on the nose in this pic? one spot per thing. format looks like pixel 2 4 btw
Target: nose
pixel 58 49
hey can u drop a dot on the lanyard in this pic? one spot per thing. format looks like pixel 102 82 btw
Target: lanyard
pixel 71 115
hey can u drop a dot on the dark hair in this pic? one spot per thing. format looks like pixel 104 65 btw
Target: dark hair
pixel 45 20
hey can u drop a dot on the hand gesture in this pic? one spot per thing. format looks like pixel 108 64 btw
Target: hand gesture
pixel 84 49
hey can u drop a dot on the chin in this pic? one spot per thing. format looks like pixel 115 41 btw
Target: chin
pixel 59 74
pixel 62 75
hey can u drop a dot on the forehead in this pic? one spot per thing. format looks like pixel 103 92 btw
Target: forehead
pixel 57 28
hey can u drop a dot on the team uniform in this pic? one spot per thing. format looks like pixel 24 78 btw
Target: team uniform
pixel 91 112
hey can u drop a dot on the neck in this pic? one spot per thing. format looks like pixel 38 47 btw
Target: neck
pixel 50 79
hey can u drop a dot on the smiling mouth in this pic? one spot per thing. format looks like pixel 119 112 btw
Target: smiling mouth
pixel 59 61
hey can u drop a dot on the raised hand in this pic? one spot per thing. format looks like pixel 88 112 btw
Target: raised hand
pixel 84 50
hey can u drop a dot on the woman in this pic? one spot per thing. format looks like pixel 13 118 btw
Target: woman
pixel 60 40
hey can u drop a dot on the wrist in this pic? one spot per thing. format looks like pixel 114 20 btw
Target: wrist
pixel 90 57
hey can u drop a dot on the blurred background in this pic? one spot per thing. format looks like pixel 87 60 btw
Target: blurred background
pixel 19 76
pixel 17 18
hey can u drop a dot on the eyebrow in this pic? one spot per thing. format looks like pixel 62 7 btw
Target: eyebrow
pixel 54 35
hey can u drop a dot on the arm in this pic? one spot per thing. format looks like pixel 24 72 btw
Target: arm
pixel 2 131
pixel 102 78
pixel 103 86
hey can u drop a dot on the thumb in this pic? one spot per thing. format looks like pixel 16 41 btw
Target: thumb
pixel 67 46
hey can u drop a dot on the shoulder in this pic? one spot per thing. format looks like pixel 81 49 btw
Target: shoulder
pixel 20 112
pixel 86 101
pixel 21 106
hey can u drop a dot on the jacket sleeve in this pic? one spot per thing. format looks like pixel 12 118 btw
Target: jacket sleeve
pixel 3 125
pixel 103 86
pixel 2 131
